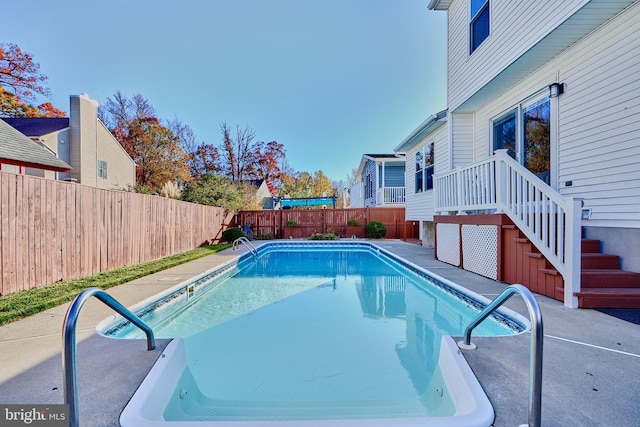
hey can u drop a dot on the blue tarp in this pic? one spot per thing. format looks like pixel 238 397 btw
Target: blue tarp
pixel 311 201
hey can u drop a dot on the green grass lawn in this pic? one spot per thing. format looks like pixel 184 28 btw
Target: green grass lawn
pixel 26 303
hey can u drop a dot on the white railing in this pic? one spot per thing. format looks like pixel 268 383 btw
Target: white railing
pixel 391 195
pixel 551 222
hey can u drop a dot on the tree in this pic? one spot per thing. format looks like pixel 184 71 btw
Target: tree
pixel 238 154
pixel 20 83
pixel 214 190
pixel 269 155
pixel 202 158
pixel 11 106
pixel 153 147
pixel 321 185
pixel 303 184
pixel 158 156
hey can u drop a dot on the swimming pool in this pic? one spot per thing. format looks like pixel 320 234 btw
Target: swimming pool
pixel 313 334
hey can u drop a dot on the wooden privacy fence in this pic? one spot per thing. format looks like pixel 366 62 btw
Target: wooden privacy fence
pixel 273 224
pixel 53 230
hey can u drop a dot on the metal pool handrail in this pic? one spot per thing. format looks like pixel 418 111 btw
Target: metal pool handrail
pixel 242 239
pixel 69 374
pixel 535 358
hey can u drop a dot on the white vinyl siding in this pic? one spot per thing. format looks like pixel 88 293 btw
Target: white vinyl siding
pixel 463 139
pixel 600 122
pixel 467 73
pixel 598 147
pixel 420 206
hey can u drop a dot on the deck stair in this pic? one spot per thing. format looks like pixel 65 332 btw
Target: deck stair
pixel 603 283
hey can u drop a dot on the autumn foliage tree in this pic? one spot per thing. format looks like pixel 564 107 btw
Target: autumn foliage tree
pixel 202 158
pixel 20 84
pixel 152 146
pixel 242 158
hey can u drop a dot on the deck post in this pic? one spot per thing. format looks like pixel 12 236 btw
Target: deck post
pixel 573 237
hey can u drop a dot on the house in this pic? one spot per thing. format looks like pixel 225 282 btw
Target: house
pixel 265 193
pixel 426 151
pixel 19 153
pixel 97 159
pixel 379 181
pixel 544 134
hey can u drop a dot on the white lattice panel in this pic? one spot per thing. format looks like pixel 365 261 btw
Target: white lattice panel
pixel 448 243
pixel 480 249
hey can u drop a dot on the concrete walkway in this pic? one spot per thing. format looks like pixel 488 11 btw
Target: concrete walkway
pixel 591 373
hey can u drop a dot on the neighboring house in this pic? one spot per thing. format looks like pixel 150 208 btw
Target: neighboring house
pixel 265 193
pixel 19 153
pixel 544 127
pixel 379 181
pixel 82 140
pixel 426 152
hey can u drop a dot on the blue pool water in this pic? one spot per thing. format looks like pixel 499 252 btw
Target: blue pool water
pixel 317 332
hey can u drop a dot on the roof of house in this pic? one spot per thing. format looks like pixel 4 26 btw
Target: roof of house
pixel 439 4
pixel 18 149
pixel 37 126
pixel 427 127
pixel 383 156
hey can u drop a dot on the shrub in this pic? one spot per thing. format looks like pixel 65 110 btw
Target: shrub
pixel 353 222
pixel 375 230
pixel 265 236
pixel 291 223
pixel 323 236
pixel 231 234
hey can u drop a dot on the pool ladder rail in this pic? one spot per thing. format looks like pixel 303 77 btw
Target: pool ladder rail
pixel 535 358
pixel 236 244
pixel 69 371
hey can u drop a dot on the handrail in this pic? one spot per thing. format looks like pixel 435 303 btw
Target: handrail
pixel 243 239
pixel 535 358
pixel 550 221
pixel 69 374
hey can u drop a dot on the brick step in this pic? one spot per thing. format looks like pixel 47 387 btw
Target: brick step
pixel 609 298
pixel 609 278
pixel 597 261
pixel 590 246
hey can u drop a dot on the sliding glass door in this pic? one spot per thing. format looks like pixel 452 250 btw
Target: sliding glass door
pixel 525 132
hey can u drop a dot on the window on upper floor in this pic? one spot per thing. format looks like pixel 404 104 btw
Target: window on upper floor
pixel 479 27
pixel 102 169
pixel 424 168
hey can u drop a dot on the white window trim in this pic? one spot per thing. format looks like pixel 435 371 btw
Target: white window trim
pixel 519 108
pixel 469 22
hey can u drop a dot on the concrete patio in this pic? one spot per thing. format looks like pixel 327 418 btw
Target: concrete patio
pixel 591 364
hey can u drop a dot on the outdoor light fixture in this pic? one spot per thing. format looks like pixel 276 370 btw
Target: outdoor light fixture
pixel 556 89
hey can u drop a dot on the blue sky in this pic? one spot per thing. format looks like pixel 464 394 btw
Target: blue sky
pixel 329 79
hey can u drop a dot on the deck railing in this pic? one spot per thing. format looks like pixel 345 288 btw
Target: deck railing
pixel 391 195
pixel 551 222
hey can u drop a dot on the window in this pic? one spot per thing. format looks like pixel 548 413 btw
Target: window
pixel 368 186
pixel 424 168
pixel 419 168
pixel 479 27
pixel 102 169
pixel 526 133
pixel 504 133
